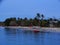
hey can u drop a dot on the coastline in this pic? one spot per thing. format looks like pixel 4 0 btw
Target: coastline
pixel 46 29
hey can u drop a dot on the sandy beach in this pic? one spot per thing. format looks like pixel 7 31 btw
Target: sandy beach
pixel 46 29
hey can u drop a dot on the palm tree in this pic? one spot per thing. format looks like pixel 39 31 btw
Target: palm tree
pixel 38 18
pixel 42 17
pixel 25 19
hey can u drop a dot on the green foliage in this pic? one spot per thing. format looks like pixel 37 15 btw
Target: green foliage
pixel 38 20
pixel 8 20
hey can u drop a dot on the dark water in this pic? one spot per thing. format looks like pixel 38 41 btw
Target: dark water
pixel 21 37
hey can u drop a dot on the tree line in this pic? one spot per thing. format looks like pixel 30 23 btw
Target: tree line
pixel 38 20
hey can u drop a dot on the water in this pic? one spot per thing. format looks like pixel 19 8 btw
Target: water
pixel 21 37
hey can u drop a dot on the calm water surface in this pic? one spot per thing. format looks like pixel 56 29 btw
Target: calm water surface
pixel 21 37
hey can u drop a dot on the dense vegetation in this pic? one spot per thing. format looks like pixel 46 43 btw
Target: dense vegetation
pixel 38 20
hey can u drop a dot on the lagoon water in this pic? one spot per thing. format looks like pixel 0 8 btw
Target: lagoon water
pixel 22 37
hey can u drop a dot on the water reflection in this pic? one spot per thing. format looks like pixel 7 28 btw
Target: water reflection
pixel 11 37
pixel 24 37
pixel 10 31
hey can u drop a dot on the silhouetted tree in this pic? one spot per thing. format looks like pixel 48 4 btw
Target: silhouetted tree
pixel 7 21
pixel 42 22
pixel 42 16
pixel 36 21
pixel 38 16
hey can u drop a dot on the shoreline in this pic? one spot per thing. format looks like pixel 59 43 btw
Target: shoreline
pixel 46 29
pixel 29 26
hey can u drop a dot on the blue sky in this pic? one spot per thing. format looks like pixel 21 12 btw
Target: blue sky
pixel 29 8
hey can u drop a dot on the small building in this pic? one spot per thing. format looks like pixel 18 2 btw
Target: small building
pixel 13 23
pixel 53 23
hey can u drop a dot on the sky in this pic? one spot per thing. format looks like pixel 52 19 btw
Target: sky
pixel 29 8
